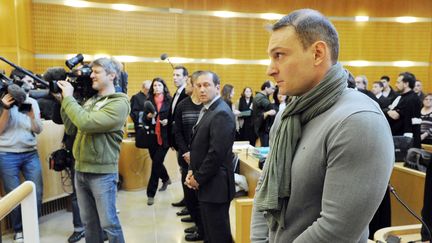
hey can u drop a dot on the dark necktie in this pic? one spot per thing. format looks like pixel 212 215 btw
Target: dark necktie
pixel 201 115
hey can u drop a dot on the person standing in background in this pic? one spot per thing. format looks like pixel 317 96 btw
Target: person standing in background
pixel 160 97
pixel 187 114
pixel 180 75
pixel 247 132
pixel 262 111
pixel 211 171
pixel 137 103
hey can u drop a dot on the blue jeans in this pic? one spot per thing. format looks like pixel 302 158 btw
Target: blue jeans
pixel 96 195
pixel 78 225
pixel 11 164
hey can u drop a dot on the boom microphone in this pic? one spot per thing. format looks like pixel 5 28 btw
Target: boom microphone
pixel 52 75
pixel 164 57
pixel 55 74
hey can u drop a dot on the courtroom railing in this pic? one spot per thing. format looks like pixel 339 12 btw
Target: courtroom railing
pixel 25 195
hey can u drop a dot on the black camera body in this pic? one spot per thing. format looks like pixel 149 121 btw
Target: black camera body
pixel 13 86
pixel 79 77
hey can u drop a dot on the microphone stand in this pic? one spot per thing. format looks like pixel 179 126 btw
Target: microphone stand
pixel 170 63
pixel 45 83
pixel 393 191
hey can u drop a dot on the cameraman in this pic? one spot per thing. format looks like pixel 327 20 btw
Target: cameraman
pixel 99 130
pixel 18 152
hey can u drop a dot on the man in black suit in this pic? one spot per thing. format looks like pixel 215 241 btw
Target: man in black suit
pixel 377 89
pixel 180 75
pixel 404 112
pixel 388 91
pixel 211 171
pixel 137 103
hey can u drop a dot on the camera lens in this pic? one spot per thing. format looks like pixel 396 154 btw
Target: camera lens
pixel 74 61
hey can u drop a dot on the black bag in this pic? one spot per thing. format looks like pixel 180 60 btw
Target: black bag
pixel 60 159
pixel 144 137
pixel 417 159
pixel 402 144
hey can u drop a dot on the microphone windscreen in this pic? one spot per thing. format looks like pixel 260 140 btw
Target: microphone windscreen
pixel 149 107
pixel 164 56
pixel 17 93
pixel 54 73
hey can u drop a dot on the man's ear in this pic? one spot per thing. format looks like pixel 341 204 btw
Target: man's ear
pixel 321 52
pixel 112 75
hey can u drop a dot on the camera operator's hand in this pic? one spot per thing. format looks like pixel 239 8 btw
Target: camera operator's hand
pixel 66 87
pixel 7 101
pixel 57 96
pixel 31 114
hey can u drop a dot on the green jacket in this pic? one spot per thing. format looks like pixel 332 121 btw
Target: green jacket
pixel 98 125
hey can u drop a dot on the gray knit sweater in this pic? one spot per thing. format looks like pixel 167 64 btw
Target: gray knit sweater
pixel 340 173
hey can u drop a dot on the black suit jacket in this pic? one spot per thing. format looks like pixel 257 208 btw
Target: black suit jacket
pixel 384 102
pixel 162 114
pixel 171 118
pixel 137 106
pixel 211 154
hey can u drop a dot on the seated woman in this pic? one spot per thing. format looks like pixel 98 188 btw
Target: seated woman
pixel 426 116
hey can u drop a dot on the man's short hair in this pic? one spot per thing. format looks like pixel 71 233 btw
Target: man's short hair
pixel 379 84
pixel 146 84
pixel 185 71
pixel 110 65
pixel 266 84
pixel 216 80
pixel 409 78
pixel 385 77
pixel 364 79
pixel 311 26
pixel 17 74
pixel 195 76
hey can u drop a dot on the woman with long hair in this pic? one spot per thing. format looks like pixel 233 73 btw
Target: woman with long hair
pixel 245 119
pixel 160 98
pixel 227 94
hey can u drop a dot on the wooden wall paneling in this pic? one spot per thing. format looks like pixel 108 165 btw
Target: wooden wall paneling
pixel 382 8
pixel 150 34
pixel 16 41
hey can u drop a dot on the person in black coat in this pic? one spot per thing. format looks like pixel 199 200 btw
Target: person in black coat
pixel 246 125
pixel 405 116
pixel 377 89
pixel 180 75
pixel 137 104
pixel 160 97
pixel 211 171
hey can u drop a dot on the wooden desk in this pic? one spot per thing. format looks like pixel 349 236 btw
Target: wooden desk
pixel 407 233
pixel 427 147
pixel 249 168
pixel 134 165
pixel 409 185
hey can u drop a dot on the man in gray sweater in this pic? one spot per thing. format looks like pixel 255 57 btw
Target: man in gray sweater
pixel 331 150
